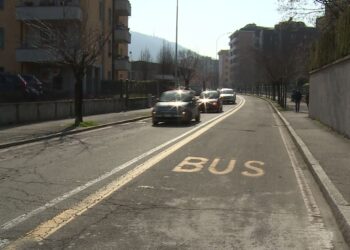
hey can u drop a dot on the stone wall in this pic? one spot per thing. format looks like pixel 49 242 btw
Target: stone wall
pixel 17 113
pixel 330 95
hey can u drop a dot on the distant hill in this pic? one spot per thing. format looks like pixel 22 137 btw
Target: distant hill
pixel 141 41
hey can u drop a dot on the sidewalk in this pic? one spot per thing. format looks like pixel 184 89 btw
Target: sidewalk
pixel 331 149
pixel 327 154
pixel 12 134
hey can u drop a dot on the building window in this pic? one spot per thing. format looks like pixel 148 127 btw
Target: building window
pixel 2 4
pixel 2 38
pixel 120 52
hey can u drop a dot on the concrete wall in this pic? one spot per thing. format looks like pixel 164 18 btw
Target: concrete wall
pixel 17 113
pixel 330 95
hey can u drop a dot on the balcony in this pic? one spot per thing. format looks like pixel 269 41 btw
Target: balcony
pixel 35 55
pixel 122 8
pixel 122 35
pixel 54 10
pixel 122 64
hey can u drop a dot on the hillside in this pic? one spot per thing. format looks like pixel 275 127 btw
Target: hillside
pixel 141 41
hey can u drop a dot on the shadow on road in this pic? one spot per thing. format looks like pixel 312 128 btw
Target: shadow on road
pixel 175 124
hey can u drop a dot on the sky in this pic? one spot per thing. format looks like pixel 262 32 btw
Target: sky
pixel 204 25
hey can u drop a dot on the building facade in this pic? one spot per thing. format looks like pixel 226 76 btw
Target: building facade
pixel 260 55
pixel 224 69
pixel 244 45
pixel 24 50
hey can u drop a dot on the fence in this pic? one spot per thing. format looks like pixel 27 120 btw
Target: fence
pixel 17 113
pixel 276 92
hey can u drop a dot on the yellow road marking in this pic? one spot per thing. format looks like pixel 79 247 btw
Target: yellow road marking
pixel 191 164
pixel 49 227
pixel 213 167
pixel 257 172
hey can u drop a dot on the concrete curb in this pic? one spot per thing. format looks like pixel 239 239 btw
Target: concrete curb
pixel 61 134
pixel 340 207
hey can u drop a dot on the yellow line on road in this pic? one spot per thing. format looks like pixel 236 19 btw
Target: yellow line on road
pixel 49 227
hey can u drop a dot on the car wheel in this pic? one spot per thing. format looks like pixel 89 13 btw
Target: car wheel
pixel 198 117
pixel 154 122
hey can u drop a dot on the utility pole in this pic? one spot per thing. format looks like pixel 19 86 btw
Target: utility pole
pixel 113 39
pixel 176 40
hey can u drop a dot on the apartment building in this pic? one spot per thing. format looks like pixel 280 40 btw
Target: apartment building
pixel 224 69
pixel 243 69
pixel 265 55
pixel 22 49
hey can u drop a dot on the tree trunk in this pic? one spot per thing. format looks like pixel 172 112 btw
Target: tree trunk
pixel 78 101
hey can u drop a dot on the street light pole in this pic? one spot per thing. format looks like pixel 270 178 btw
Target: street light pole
pixel 176 63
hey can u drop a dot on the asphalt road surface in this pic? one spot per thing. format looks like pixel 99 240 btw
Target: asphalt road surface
pixel 232 181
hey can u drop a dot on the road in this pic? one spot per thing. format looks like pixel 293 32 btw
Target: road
pixel 233 181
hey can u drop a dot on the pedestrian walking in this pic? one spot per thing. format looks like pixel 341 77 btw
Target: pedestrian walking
pixel 297 96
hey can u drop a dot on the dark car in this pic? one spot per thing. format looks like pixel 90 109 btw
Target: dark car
pixel 176 105
pixel 19 87
pixel 12 87
pixel 33 88
pixel 210 101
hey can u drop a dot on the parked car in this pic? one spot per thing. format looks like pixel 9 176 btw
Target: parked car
pixel 33 87
pixel 19 87
pixel 176 105
pixel 12 88
pixel 228 95
pixel 210 101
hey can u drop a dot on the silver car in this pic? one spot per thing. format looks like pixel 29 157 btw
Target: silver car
pixel 228 95
pixel 176 105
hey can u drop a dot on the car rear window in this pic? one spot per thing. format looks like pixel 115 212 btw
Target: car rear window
pixel 227 91
pixel 176 96
pixel 209 95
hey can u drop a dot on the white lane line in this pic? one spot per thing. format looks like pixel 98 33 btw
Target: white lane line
pixel 319 236
pixel 14 222
pixel 47 228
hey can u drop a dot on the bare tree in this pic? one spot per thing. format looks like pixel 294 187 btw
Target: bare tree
pixel 284 61
pixel 77 46
pixel 145 55
pixel 188 62
pixel 311 9
pixel 166 59
pixel 205 72
pixel 145 58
